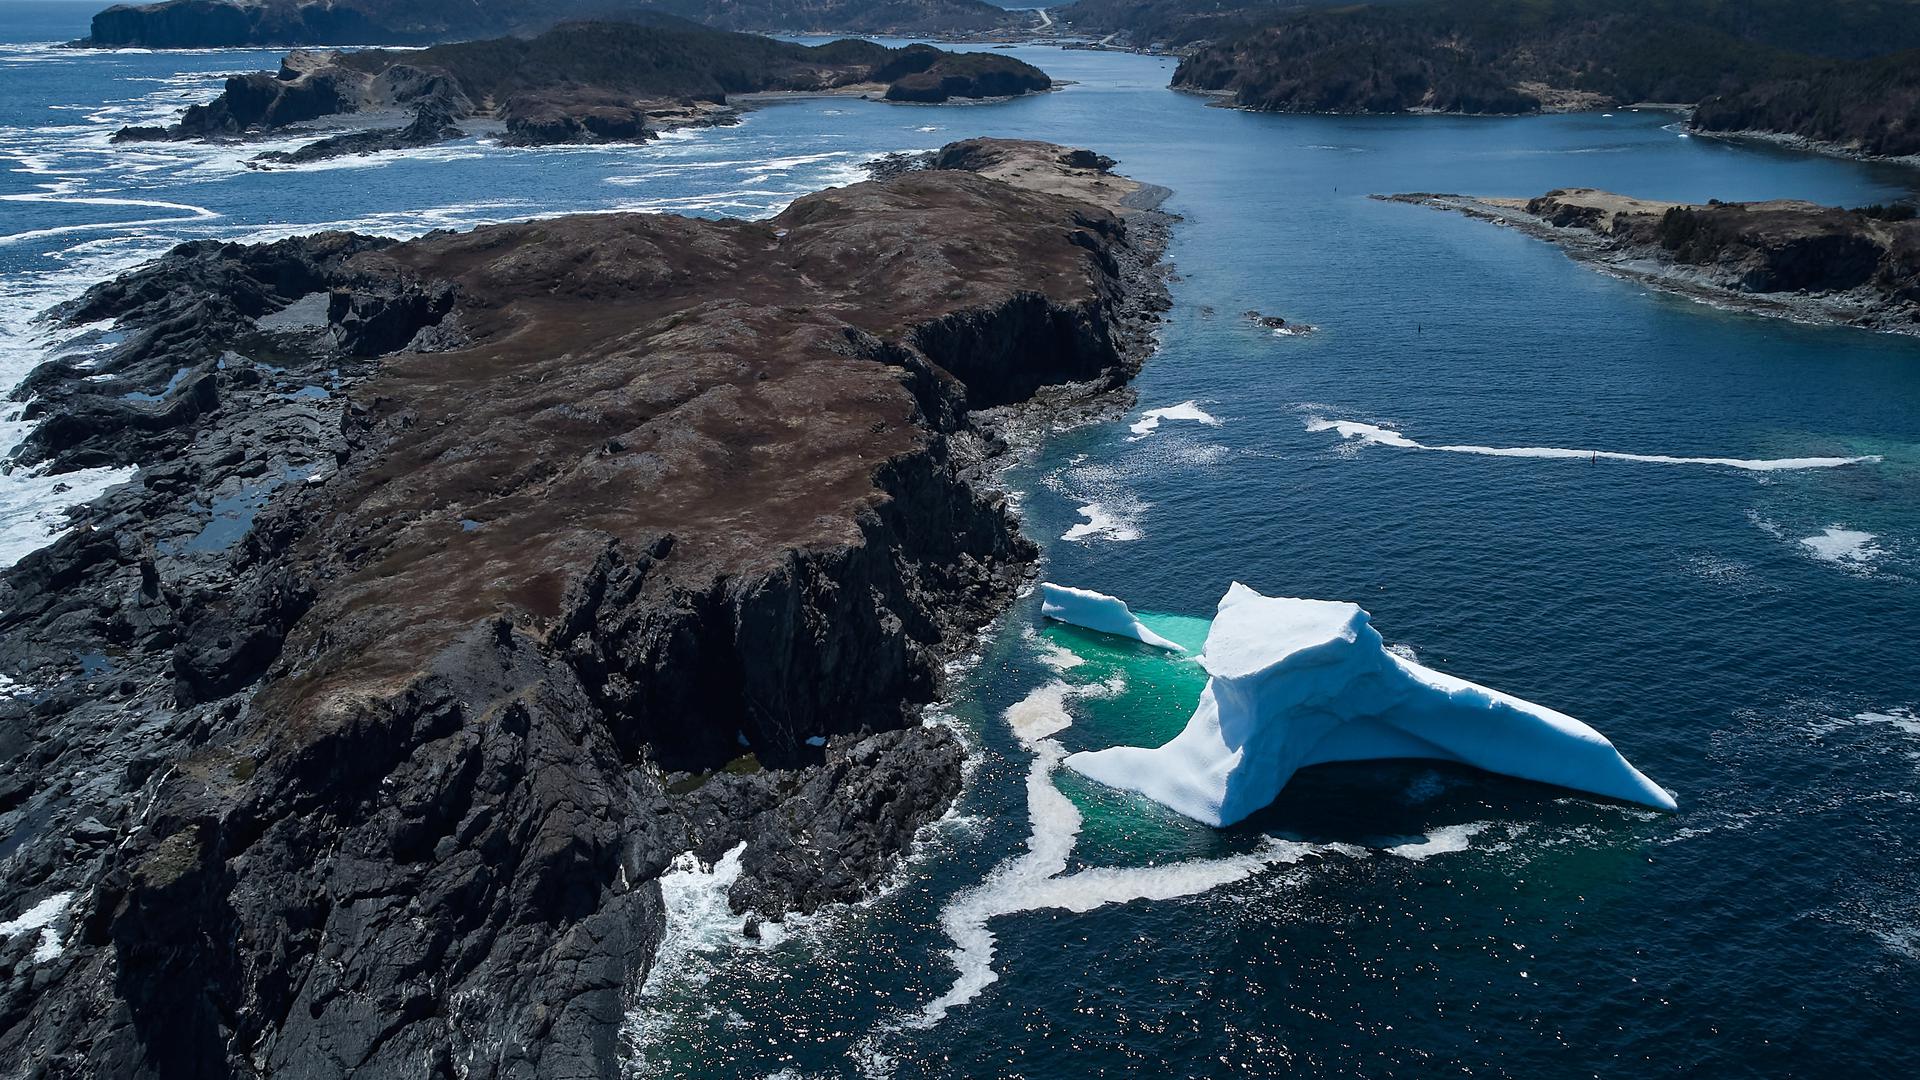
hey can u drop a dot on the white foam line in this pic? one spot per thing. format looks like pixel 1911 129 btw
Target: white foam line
pixel 1187 410
pixel 1037 879
pixel 1382 436
pixel 192 213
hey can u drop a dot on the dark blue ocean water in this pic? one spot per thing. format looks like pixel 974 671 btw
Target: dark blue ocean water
pixel 1426 921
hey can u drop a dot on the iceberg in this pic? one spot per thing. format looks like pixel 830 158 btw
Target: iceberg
pixel 1294 683
pixel 1097 611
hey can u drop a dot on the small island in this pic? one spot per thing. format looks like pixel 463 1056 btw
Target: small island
pixel 1784 258
pixel 577 83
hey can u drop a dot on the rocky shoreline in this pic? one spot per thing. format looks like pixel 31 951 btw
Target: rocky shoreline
pixel 617 82
pixel 469 580
pixel 1783 259
pixel 1806 145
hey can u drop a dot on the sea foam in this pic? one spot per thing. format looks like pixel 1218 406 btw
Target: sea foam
pixel 1849 547
pixel 1374 434
pixel 1149 421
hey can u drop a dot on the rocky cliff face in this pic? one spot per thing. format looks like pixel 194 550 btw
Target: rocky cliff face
pixel 468 580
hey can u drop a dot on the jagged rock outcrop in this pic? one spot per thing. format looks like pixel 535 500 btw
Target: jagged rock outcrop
pixel 571 117
pixel 1782 257
pixel 431 124
pixel 352 736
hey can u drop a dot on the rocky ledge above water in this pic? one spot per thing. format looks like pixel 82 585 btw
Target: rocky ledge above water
pixel 1792 259
pixel 467 581
pixel 578 83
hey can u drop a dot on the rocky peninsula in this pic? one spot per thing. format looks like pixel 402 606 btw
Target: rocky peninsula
pixel 1784 258
pixel 577 83
pixel 466 581
pixel 201 24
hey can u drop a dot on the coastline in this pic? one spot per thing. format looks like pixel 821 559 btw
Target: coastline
pixel 1789 141
pixel 1644 264
pixel 253 768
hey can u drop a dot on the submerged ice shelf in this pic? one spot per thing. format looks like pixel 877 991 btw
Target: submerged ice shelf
pixel 1294 683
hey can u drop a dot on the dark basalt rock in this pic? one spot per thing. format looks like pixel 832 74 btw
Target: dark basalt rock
pixel 431 125
pixel 889 166
pixel 574 117
pixel 1277 324
pixel 142 133
pixel 260 101
pixel 361 723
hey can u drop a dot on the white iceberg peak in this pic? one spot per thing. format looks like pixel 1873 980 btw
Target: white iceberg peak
pixel 1306 682
pixel 1097 611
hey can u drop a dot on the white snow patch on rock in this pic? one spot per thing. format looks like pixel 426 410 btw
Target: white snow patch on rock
pixel 41 917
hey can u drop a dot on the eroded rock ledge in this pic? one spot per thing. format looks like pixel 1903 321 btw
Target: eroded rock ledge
pixel 1785 258
pixel 468 580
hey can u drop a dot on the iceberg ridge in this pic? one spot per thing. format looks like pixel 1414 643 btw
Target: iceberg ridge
pixel 1306 682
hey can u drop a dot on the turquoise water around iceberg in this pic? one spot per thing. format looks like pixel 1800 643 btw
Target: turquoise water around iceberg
pixel 1397 920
